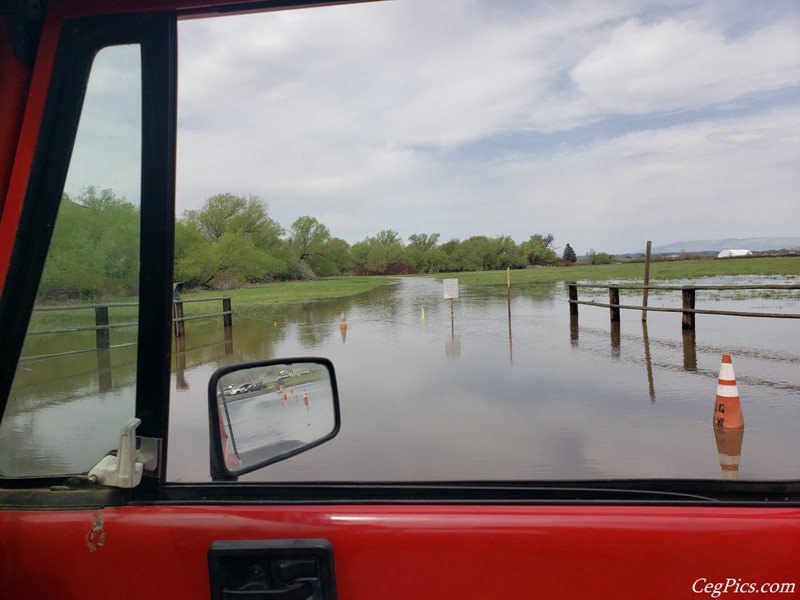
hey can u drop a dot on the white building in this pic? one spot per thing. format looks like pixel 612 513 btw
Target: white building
pixel 733 253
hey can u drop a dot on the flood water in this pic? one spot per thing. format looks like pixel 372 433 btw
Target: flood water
pixel 479 395
pixel 538 396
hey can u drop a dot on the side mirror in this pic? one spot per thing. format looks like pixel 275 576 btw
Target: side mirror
pixel 264 412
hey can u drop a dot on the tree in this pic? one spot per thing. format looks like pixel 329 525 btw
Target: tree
pixel 450 254
pixel 238 258
pixel 95 247
pixel 308 238
pixel 242 242
pixel 483 253
pixel 538 249
pixel 599 258
pixel 506 253
pixel 569 254
pixel 388 237
pixel 337 259
pixel 475 253
pixel 195 263
pixel 228 213
pixel 377 253
pixel 421 252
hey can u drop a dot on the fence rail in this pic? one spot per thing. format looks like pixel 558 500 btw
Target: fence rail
pixel 179 319
pixel 688 293
pixel 103 326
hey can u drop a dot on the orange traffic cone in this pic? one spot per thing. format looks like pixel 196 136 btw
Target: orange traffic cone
pixel 727 408
pixel 729 446
pixel 343 322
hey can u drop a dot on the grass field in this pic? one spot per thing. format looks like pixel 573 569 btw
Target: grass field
pixel 294 292
pixel 784 267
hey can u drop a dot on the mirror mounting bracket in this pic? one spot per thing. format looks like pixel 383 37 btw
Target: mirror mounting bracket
pixel 125 468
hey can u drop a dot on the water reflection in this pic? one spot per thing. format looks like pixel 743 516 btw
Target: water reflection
pixel 615 339
pixel 689 349
pixel 729 447
pixel 651 388
pixel 566 408
pixel 510 344
pixel 574 330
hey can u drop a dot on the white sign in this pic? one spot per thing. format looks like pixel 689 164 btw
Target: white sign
pixel 450 288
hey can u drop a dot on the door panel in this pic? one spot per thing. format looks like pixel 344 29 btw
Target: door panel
pixel 388 553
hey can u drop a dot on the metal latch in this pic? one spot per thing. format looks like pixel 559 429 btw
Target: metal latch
pixel 124 469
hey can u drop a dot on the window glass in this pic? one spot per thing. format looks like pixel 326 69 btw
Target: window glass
pixel 514 147
pixel 75 384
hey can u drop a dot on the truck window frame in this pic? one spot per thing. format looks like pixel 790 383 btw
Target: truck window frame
pixel 80 40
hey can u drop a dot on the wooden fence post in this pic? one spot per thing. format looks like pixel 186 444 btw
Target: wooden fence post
pixel 102 337
pixel 646 291
pixel 573 299
pixel 103 342
pixel 177 306
pixel 227 317
pixel 687 322
pixel 613 299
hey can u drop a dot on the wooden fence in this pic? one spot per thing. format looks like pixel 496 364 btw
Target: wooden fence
pixel 179 319
pixel 688 293
pixel 103 326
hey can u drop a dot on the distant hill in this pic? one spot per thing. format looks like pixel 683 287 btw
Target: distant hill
pixel 755 244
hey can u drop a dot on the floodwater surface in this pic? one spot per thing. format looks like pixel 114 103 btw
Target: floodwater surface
pixel 479 396
pixel 490 389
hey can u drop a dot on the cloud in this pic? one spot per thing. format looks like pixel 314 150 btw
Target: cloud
pixel 678 65
pixel 598 123
pixel 687 179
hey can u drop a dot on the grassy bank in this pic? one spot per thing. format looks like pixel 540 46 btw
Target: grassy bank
pixel 282 293
pixel 288 292
pixel 683 269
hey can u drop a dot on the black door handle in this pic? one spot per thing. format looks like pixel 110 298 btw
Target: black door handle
pixel 272 570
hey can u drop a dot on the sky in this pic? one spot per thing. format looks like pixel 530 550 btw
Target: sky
pixel 605 124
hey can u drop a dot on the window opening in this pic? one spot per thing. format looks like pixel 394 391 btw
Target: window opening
pixel 75 382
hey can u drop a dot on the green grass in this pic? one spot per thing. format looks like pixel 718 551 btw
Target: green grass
pixel 683 269
pixel 251 298
pixel 285 293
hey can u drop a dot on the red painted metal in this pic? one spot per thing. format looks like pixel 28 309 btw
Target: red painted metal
pixel 13 92
pixel 18 163
pixel 410 552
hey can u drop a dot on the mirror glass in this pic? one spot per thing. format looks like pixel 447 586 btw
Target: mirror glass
pixel 273 410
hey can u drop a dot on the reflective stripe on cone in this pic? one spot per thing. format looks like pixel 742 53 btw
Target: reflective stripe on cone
pixel 727 407
pixel 729 447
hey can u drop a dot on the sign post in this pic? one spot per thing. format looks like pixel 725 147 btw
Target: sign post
pixel 451 292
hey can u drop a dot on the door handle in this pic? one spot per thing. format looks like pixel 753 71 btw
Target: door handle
pixel 272 570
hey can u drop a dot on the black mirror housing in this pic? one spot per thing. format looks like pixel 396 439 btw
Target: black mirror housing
pixel 264 412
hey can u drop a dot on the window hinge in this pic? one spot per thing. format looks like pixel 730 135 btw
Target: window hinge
pixel 125 468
